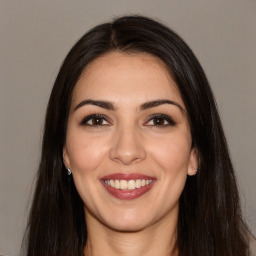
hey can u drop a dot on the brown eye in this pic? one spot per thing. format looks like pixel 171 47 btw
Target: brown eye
pixel 161 120
pixel 95 120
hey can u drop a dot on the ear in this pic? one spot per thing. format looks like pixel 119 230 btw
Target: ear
pixel 66 157
pixel 193 162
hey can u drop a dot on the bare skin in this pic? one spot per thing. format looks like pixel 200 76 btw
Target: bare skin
pixel 114 127
pixel 152 241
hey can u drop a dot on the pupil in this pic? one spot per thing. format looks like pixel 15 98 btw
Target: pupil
pixel 159 121
pixel 97 121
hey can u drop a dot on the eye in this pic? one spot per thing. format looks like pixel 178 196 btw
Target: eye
pixel 160 120
pixel 95 120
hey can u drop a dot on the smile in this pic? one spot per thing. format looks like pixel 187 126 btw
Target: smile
pixel 127 186
pixel 130 184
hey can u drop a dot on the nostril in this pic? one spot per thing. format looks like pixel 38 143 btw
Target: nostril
pixel 127 153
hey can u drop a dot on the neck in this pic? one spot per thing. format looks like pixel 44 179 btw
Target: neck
pixel 157 239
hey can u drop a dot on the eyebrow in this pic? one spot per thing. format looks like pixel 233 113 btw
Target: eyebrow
pixel 100 103
pixel 155 103
pixel 110 106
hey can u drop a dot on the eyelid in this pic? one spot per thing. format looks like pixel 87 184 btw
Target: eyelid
pixel 167 118
pixel 91 116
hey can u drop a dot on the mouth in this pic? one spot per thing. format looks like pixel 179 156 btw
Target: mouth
pixel 127 186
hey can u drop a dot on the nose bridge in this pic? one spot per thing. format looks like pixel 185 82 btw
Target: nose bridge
pixel 127 144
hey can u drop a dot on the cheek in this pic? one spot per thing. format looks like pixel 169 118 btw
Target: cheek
pixel 85 153
pixel 172 153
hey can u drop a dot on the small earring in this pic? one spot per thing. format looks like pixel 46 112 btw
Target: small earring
pixel 194 170
pixel 69 172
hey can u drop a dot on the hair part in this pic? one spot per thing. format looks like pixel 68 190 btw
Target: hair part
pixel 210 221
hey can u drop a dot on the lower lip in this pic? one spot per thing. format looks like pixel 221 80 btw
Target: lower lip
pixel 128 194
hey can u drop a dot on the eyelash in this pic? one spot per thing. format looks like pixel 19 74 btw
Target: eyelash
pixel 168 119
pixel 162 117
pixel 94 117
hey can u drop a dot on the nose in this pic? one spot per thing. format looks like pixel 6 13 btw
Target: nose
pixel 127 147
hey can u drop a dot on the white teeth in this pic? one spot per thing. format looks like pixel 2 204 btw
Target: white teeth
pixel 117 186
pixel 123 184
pixel 130 185
pixel 138 183
pixel 147 182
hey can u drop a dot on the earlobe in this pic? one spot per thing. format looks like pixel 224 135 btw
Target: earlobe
pixel 66 157
pixel 193 162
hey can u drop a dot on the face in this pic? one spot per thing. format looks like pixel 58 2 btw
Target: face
pixel 128 142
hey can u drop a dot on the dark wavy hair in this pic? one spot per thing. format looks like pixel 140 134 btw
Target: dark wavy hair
pixel 210 221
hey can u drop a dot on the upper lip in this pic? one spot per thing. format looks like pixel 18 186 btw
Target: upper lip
pixel 126 176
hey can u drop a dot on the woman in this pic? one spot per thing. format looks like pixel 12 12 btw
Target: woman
pixel 134 159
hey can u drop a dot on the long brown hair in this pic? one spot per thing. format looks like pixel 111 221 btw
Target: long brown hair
pixel 210 221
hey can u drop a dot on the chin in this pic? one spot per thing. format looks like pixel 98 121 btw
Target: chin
pixel 127 223
pixel 127 227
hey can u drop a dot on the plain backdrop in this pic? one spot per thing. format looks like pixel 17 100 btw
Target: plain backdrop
pixel 36 36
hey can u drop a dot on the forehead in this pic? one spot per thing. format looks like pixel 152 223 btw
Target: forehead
pixel 121 76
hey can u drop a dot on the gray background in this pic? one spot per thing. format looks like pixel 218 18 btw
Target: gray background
pixel 35 37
